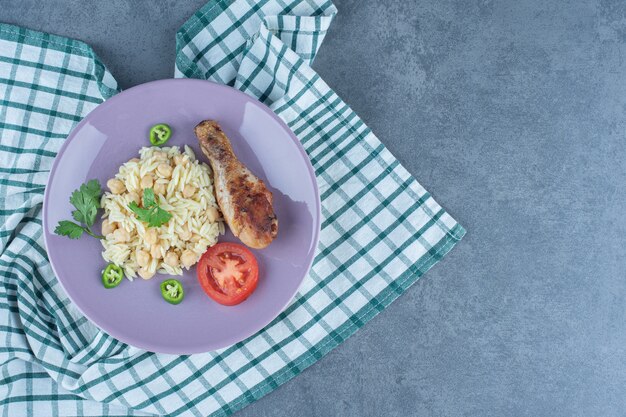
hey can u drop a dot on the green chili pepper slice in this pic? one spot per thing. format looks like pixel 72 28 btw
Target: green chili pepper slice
pixel 159 134
pixel 172 291
pixel 112 276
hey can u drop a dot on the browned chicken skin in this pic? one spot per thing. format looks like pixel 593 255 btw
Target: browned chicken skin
pixel 243 198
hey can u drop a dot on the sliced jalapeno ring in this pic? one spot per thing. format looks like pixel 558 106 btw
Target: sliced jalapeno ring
pixel 172 291
pixel 159 134
pixel 112 276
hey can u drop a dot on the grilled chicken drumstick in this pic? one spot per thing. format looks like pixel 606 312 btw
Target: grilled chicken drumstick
pixel 243 198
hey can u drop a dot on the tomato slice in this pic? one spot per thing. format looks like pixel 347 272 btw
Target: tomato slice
pixel 228 273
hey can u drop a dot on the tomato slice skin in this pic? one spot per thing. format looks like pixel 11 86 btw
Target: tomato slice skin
pixel 228 273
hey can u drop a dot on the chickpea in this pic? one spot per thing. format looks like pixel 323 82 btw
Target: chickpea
pixel 189 190
pixel 151 236
pixel 133 196
pixel 147 181
pixel 165 170
pixel 179 160
pixel 145 273
pixel 116 186
pixel 171 258
pixel 155 251
pixel 184 234
pixel 143 258
pixel 135 160
pixel 188 258
pixel 212 214
pixel 121 235
pixel 159 154
pixel 195 238
pixel 160 188
pixel 108 227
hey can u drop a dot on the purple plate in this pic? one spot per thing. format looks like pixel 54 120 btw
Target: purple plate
pixel 113 133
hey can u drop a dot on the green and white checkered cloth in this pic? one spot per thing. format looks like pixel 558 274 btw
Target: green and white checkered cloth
pixel 381 230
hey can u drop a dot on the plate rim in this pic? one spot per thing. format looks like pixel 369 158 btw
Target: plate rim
pixel 247 98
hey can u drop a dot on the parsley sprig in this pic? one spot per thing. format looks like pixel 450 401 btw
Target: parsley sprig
pixel 86 200
pixel 151 212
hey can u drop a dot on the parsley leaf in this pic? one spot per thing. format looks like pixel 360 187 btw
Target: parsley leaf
pixel 92 188
pixel 142 213
pixel 148 197
pixel 69 229
pixel 159 217
pixel 151 213
pixel 87 215
pixel 86 199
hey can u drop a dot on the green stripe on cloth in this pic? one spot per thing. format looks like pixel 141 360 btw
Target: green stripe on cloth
pixel 381 230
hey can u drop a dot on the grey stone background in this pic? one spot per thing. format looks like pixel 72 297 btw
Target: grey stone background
pixel 512 113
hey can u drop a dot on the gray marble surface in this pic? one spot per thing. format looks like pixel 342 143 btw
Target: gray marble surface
pixel 512 113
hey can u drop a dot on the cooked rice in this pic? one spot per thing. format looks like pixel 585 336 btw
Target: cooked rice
pixel 189 213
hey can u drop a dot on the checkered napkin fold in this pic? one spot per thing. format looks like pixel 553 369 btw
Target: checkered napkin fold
pixel 381 230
